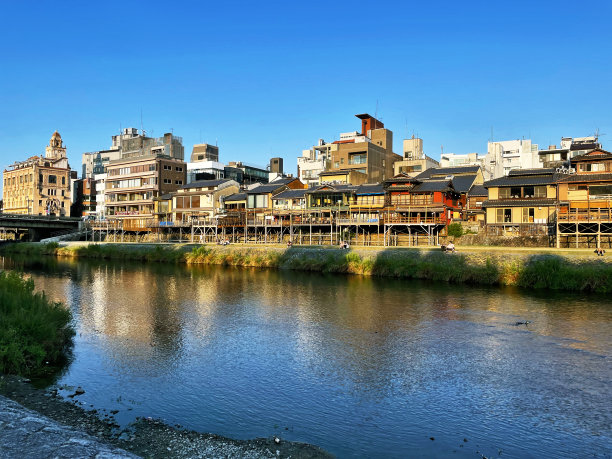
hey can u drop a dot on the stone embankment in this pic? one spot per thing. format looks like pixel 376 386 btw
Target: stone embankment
pixel 26 434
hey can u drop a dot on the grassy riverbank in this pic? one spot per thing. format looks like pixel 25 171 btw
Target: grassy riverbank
pixel 524 269
pixel 34 332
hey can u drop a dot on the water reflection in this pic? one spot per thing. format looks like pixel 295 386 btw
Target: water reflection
pixel 387 363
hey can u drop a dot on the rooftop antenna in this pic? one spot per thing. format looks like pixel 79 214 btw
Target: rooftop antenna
pixel 597 134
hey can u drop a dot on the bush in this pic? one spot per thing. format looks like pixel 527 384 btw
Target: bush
pixel 455 230
pixel 34 332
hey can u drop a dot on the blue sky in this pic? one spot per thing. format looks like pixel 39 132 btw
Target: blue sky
pixel 269 79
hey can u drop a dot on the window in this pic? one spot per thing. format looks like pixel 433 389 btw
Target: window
pixel 167 167
pixel 504 193
pixel 336 164
pixel 167 181
pixel 341 160
pixel 515 191
pixel 528 215
pixel 358 158
pixel 540 191
pixel 52 179
pixel 179 169
pixel 503 216
pixel 63 180
pixel 178 182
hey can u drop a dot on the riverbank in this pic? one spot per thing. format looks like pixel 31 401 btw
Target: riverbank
pixel 35 333
pixel 148 437
pixel 578 270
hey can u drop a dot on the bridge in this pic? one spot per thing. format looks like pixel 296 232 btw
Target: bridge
pixel 37 227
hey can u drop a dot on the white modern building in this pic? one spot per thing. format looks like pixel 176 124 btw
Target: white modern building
pixel 468 159
pixel 313 162
pixel 570 147
pixel 507 155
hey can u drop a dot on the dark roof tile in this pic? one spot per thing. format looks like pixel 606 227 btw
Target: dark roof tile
pixel 439 171
pixel 519 202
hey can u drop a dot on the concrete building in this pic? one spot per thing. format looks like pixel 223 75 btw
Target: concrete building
pixel 204 152
pixel 569 148
pixel 246 174
pixel 133 183
pixel 276 166
pixel 369 151
pixel 504 156
pixel 205 170
pixel 313 162
pixel 469 159
pixel 39 185
pixel 414 161
pixel 131 144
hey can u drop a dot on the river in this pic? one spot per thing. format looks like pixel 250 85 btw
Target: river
pixel 362 367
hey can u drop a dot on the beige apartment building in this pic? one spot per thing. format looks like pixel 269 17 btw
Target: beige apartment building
pixel 39 185
pixel 414 161
pixel 133 184
pixel 369 151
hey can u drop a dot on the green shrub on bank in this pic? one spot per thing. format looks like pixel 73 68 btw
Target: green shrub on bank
pixel 455 230
pixel 34 332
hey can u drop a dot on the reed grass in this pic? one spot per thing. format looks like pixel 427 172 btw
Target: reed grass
pixel 35 333
pixel 533 271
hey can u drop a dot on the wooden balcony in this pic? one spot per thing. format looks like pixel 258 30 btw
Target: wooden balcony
pixel 592 211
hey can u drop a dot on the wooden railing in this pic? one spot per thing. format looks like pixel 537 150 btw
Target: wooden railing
pixel 586 211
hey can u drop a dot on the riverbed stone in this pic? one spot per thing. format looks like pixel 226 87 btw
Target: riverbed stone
pixel 27 434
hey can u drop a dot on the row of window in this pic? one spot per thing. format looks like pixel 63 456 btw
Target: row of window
pixel 28 178
pixel 168 167
pixel 522 192
pixel 505 215
pixel 133 169
pixel 169 182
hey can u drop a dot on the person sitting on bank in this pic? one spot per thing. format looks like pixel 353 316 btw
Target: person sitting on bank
pixel 450 247
pixel 600 252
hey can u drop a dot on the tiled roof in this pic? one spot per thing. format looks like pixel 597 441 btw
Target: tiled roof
pixel 342 188
pixel 536 171
pixel 592 156
pixel 522 180
pixel 607 177
pixel 462 183
pixel 236 197
pixel 433 185
pixel 376 188
pixel 519 202
pixel 448 171
pixel 267 188
pixel 290 194
pixel 204 183
pixel 584 146
pixel 478 190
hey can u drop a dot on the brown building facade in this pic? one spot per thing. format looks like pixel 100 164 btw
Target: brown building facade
pixel 369 152
pixel 39 185
pixel 133 184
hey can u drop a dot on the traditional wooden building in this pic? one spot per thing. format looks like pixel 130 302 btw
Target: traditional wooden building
pixel 585 201
pixel 202 199
pixel 524 202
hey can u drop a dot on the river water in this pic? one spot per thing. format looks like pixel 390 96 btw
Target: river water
pixel 361 367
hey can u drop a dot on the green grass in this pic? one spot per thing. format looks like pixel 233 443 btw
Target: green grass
pixel 34 332
pixel 552 271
